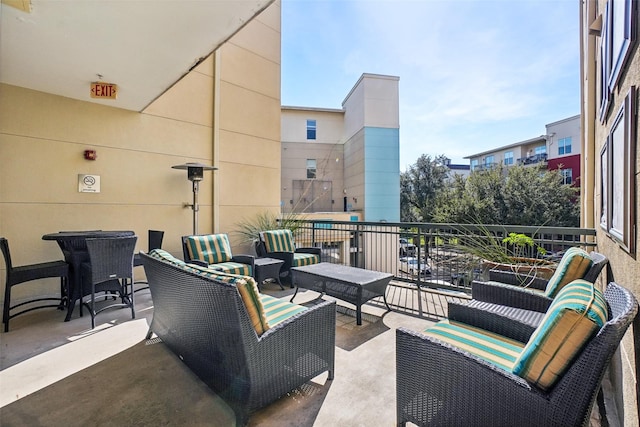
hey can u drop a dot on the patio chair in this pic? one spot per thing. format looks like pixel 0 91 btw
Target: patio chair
pixel 25 273
pixel 524 307
pixel 109 270
pixel 279 244
pixel 155 242
pixel 445 377
pixel 214 252
pixel 250 348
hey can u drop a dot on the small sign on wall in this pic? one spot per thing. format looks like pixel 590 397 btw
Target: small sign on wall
pixel 88 183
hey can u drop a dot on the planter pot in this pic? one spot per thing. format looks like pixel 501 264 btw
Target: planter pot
pixel 530 267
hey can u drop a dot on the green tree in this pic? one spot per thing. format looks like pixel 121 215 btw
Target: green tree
pixel 516 195
pixel 419 187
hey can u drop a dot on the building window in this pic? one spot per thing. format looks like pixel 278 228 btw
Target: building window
pixel 617 37
pixel 311 168
pixel 567 176
pixel 542 149
pixel 617 172
pixel 474 164
pixel 564 146
pixel 508 158
pixel 311 129
pixel 488 161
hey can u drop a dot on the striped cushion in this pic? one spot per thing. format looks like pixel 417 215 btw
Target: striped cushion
pixel 233 268
pixel 166 256
pixel 212 248
pixel 493 348
pixel 278 241
pixel 576 314
pixel 246 286
pixel 302 259
pixel 278 310
pixel 574 265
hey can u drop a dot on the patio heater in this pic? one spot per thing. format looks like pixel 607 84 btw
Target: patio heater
pixel 195 174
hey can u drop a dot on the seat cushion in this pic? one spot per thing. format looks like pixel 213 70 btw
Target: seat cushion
pixel 233 268
pixel 278 241
pixel 495 349
pixel 302 259
pixel 576 314
pixel 278 310
pixel 211 248
pixel 574 265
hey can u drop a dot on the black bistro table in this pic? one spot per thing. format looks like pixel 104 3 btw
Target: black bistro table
pixel 74 248
pixel 350 284
pixel 267 268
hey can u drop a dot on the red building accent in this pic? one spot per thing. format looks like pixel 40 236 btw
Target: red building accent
pixel 567 162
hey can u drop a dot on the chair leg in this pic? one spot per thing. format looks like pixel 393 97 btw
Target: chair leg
pixel 131 300
pixel 93 306
pixel 5 310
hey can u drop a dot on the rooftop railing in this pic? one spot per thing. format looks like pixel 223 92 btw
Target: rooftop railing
pixel 438 256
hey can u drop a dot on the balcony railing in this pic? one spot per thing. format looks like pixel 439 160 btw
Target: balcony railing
pixel 440 252
pixel 530 160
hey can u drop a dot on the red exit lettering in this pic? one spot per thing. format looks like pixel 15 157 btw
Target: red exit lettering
pixel 104 90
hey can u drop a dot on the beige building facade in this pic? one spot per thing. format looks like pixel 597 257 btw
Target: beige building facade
pixel 345 160
pixel 610 79
pixel 224 112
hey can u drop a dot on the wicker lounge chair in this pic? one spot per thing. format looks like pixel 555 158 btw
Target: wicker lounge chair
pixel 279 244
pixel 524 307
pixel 214 251
pixel 441 384
pixel 205 321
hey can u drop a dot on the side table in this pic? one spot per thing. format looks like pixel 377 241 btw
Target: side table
pixel 267 268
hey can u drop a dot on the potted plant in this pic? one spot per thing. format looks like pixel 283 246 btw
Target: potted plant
pixel 517 253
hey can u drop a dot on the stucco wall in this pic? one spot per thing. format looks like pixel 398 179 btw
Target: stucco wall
pixel 623 267
pixel 224 112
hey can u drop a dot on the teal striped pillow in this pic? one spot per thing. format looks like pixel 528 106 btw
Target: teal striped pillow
pixel 212 248
pixel 574 265
pixel 494 348
pixel 575 315
pixel 278 241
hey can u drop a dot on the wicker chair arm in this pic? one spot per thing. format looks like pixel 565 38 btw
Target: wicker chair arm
pixel 513 278
pixel 310 250
pixel 438 384
pixel 490 321
pixel 289 342
pixel 197 262
pixel 244 259
pixel 499 293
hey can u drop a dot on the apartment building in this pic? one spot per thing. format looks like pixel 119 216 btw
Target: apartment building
pixel 610 79
pixel 345 160
pixel 557 148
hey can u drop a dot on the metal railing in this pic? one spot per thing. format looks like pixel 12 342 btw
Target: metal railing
pixel 439 256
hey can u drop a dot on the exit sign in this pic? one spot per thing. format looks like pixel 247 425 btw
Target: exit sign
pixel 104 90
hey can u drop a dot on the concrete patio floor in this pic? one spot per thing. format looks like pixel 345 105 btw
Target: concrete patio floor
pixel 43 358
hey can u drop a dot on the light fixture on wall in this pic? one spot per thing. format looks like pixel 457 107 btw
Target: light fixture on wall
pixel 195 174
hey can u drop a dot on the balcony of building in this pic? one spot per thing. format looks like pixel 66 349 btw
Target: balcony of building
pixel 56 372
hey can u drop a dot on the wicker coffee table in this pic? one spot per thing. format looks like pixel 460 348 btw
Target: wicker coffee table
pixel 353 285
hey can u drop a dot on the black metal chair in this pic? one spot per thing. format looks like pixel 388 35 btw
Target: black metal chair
pixel 155 242
pixel 110 269
pixel 27 273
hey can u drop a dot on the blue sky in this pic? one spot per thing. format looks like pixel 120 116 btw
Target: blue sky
pixel 474 75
